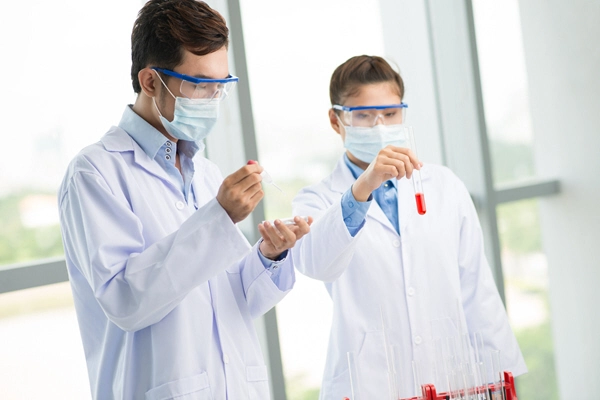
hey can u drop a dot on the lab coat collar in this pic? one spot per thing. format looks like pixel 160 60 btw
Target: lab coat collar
pixel 118 140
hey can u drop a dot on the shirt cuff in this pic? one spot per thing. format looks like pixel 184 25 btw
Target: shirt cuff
pixel 354 211
pixel 271 265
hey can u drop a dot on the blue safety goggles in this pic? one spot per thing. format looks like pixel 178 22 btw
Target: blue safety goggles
pixel 367 116
pixel 202 88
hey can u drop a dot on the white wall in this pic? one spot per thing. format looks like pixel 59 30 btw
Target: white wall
pixel 563 63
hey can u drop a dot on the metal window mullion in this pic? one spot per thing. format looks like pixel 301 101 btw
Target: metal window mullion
pixel 269 320
pixel 461 110
pixel 526 191
pixel 33 274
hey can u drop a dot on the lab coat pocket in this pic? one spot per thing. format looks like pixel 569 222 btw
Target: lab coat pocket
pixel 258 382
pixel 193 388
pixel 338 387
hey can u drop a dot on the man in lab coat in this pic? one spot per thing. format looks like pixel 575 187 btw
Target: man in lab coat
pixel 412 281
pixel 165 285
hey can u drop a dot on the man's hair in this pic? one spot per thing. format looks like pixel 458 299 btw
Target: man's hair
pixel 357 71
pixel 165 28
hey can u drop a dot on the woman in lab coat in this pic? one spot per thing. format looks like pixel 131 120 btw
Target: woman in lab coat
pixel 412 279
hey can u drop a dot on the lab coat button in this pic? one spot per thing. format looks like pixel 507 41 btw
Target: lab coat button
pixel 225 358
pixel 418 340
pixel 179 205
pixel 168 143
pixel 411 291
pixel 168 157
pixel 396 243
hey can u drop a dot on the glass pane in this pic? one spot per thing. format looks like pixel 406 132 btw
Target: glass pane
pixel 526 288
pixel 290 65
pixel 41 352
pixel 65 85
pixel 504 87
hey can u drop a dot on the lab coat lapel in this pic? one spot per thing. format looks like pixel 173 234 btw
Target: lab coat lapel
pixel 377 213
pixel 118 140
pixel 341 178
pixel 201 196
pixel 143 160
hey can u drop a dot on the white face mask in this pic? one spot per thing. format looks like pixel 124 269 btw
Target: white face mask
pixel 365 143
pixel 193 119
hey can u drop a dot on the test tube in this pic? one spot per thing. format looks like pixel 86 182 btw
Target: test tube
pixel 440 374
pixel 417 379
pixel 397 367
pixel 392 391
pixel 354 376
pixel 416 175
pixel 498 390
pixel 480 370
pixel 454 369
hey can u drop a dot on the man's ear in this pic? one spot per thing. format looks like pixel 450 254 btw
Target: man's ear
pixel 148 81
pixel 334 121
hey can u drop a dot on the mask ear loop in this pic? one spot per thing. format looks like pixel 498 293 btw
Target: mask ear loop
pixel 164 84
pixel 166 87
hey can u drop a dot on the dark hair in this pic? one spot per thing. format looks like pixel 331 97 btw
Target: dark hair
pixel 358 71
pixel 164 28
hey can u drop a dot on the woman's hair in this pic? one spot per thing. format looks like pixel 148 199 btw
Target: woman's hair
pixel 357 71
pixel 165 28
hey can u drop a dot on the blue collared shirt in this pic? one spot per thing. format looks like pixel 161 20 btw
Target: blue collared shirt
pixel 164 152
pixel 386 196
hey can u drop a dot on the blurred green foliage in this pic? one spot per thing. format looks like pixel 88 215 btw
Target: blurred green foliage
pixel 298 389
pixel 540 382
pixel 19 243
pixel 511 161
pixel 519 226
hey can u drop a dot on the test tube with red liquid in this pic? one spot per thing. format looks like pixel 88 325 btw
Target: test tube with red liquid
pixel 416 175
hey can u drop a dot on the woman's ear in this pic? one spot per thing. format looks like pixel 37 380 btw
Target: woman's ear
pixel 147 78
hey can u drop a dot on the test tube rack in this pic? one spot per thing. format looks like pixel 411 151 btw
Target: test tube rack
pixel 510 392
pixel 429 392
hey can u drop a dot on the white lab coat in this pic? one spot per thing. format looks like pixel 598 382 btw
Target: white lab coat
pixel 416 279
pixel 165 294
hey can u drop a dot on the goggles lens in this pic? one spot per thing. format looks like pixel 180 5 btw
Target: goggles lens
pixel 368 116
pixel 201 88
pixel 206 90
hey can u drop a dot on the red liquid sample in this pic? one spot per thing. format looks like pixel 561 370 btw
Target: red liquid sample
pixel 420 197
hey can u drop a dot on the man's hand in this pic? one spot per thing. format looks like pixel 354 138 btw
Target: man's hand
pixel 241 191
pixel 281 237
pixel 391 162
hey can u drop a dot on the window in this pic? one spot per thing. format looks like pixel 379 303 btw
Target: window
pixel 65 82
pixel 524 264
